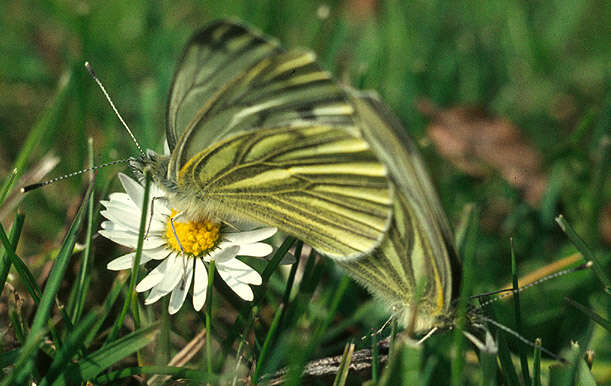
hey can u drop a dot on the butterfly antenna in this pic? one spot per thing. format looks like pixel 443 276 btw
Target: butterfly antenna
pixel 520 337
pixel 93 75
pixel 56 179
pixel 510 291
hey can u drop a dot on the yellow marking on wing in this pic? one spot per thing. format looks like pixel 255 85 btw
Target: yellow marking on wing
pixel 370 169
pixel 372 195
pixel 343 108
pixel 266 177
pixel 351 145
pixel 299 61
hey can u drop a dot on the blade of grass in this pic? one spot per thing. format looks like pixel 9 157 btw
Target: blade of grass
pixel 21 268
pixel 488 367
pixel 209 319
pixel 162 348
pixel 576 371
pixel 136 265
pixel 516 307
pixel 245 317
pixel 72 344
pixel 16 315
pixel 266 344
pixel 87 261
pixel 300 361
pixel 13 239
pixel 23 363
pixel 8 358
pixel 606 324
pixel 585 251
pixel 8 185
pixel 41 318
pixel 24 272
pixel 468 253
pixel 344 366
pixel 509 372
pixel 338 294
pixel 286 297
pixel 109 302
pixel 100 360
pixel 309 282
pixel 374 356
pixel 536 381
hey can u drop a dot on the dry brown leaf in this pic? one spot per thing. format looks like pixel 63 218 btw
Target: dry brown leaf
pixel 479 145
pixel 604 225
pixel 361 10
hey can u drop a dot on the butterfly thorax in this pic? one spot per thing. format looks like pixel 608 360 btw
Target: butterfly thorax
pixel 186 201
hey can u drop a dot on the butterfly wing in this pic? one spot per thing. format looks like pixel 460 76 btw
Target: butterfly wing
pixel 319 183
pixel 232 78
pixel 417 256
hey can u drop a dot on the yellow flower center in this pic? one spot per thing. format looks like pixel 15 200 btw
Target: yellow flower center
pixel 195 237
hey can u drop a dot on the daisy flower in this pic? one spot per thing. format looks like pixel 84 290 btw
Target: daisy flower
pixel 182 250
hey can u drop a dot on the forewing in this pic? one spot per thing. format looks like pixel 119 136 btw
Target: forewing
pixel 232 78
pixel 319 183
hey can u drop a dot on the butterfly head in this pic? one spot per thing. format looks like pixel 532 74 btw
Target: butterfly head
pixel 158 166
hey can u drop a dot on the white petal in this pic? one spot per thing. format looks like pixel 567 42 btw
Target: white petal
pixel 221 255
pixel 180 292
pixel 130 218
pixel 113 226
pixel 117 197
pixel 251 236
pixel 120 238
pixel 123 206
pixel 200 285
pixel 127 220
pixel 153 278
pixel 240 271
pixel 172 277
pixel 174 273
pixel 158 253
pixel 130 239
pixel 241 289
pixel 126 261
pixel 133 189
pixel 256 250
pixel 120 197
pixel 153 296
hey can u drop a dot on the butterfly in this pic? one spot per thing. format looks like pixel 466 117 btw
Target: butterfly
pixel 262 135
pixel 416 266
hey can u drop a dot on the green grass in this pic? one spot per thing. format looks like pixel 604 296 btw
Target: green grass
pixel 542 65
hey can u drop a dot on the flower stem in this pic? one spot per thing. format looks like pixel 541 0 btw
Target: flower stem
pixel 209 318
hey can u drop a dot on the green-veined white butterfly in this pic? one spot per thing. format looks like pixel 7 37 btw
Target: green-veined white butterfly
pixel 262 135
pixel 418 251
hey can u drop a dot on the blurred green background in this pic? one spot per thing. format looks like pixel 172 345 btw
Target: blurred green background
pixel 543 65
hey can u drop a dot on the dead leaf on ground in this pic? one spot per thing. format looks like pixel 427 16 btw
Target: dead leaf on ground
pixel 480 144
pixel 604 224
pixel 361 10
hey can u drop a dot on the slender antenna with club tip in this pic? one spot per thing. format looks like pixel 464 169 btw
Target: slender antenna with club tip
pixel 509 291
pixel 95 78
pixel 37 185
pixel 112 105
